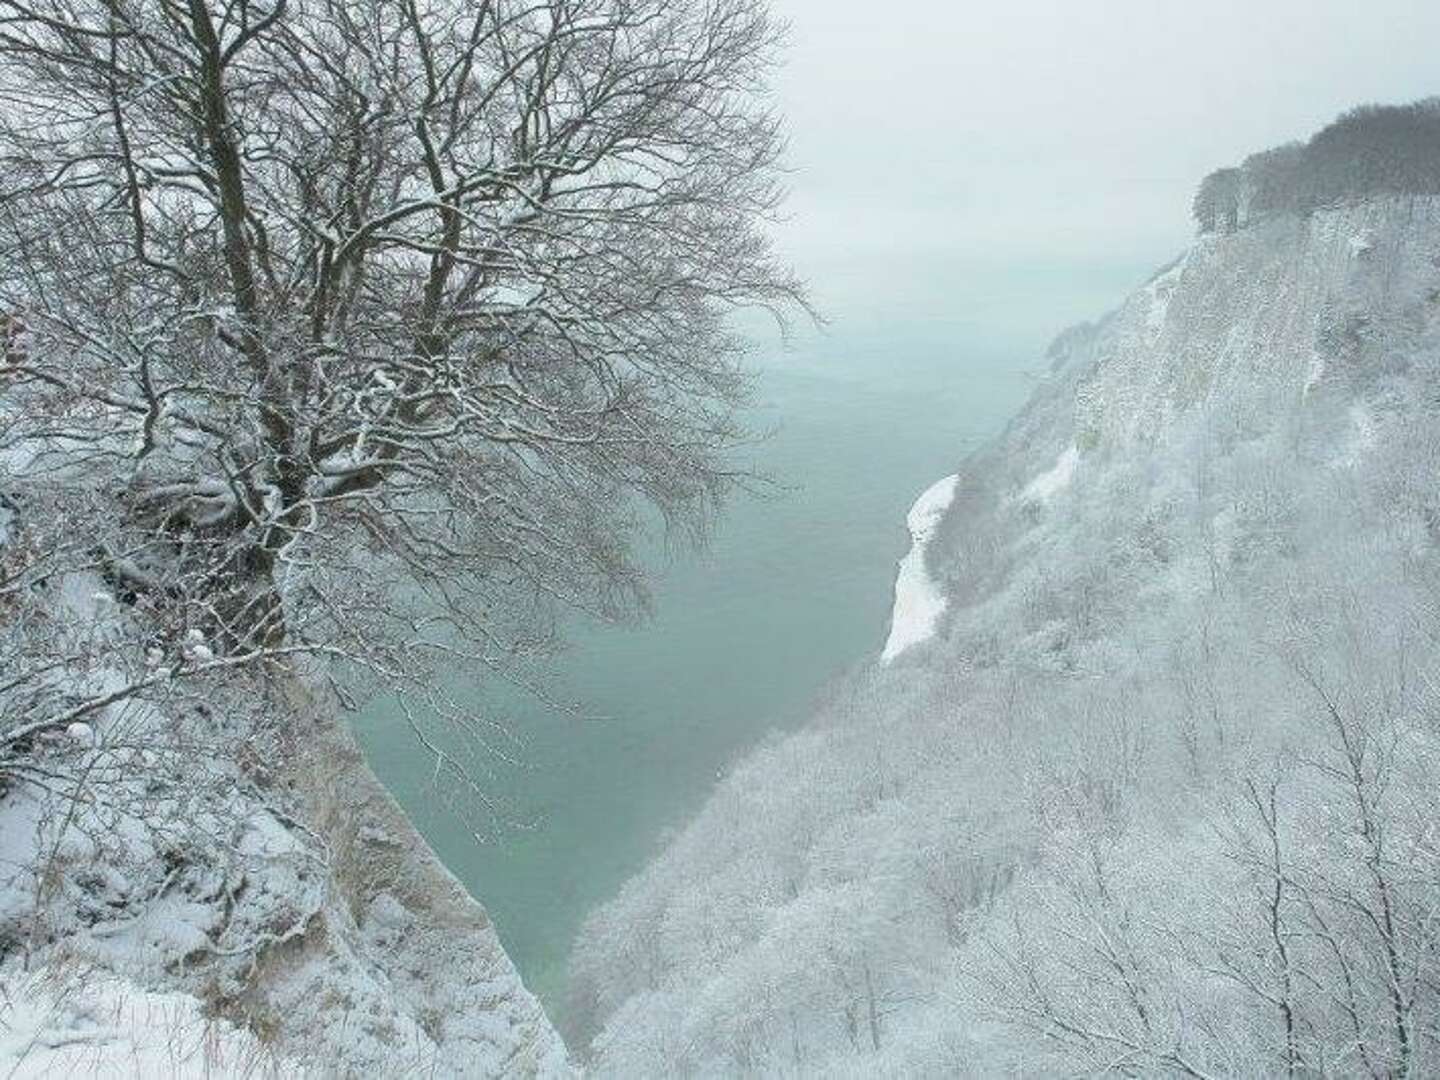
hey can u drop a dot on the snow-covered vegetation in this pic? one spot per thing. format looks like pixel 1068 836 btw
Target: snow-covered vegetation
pixel 192 885
pixel 1371 151
pixel 1160 795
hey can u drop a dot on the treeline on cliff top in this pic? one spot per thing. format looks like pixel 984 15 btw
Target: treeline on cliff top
pixel 1370 150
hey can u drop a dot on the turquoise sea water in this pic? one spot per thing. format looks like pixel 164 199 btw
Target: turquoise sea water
pixel 793 588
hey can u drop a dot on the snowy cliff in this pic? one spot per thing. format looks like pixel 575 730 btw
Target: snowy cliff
pixel 186 895
pixel 1158 794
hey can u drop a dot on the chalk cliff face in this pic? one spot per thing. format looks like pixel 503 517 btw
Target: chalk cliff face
pixel 402 971
pixel 1264 317
pixel 1284 347
pixel 255 905
pixel 1198 562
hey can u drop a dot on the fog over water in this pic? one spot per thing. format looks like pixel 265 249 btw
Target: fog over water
pixel 967 180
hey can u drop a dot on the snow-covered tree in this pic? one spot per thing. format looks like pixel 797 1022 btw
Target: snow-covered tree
pixel 1217 203
pixel 308 298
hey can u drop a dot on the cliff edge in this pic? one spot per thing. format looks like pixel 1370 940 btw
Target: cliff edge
pixel 256 905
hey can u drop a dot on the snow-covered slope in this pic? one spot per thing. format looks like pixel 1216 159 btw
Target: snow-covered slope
pixel 77 1024
pixel 1190 629
pixel 190 895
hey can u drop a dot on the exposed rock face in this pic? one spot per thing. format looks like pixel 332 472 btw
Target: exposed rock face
pixel 295 901
pixel 1261 317
pixel 401 949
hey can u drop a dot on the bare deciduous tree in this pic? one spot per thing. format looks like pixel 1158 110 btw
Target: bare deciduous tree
pixel 306 298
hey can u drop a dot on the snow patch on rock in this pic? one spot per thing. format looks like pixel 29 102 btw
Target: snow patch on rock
pixel 1313 375
pixel 1361 440
pixel 919 603
pixel 1159 292
pixel 1054 480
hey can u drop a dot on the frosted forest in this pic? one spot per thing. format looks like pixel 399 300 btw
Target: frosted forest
pixel 1160 795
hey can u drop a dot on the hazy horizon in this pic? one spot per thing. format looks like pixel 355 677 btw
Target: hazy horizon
pixel 968 140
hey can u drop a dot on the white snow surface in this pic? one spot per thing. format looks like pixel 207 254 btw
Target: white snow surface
pixel 82 1025
pixel 1056 479
pixel 299 903
pixel 325 922
pixel 919 603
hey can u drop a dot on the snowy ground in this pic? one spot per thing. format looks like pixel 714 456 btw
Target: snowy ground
pixel 84 1025
pixel 186 861
pixel 918 601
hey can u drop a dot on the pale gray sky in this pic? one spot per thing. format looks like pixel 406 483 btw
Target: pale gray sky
pixel 935 140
